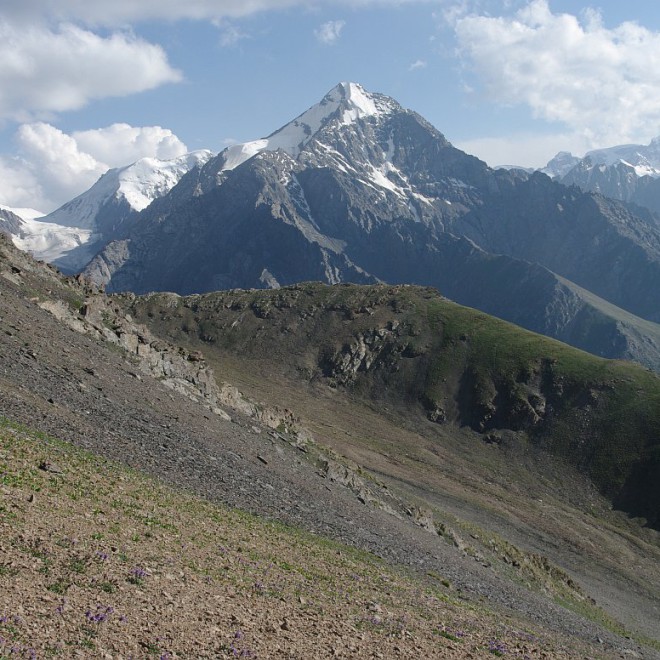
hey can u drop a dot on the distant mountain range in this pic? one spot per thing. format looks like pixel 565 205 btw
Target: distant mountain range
pixel 629 172
pixel 358 189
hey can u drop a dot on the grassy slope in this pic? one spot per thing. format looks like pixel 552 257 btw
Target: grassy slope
pixel 602 417
pixel 98 559
pixel 532 489
pixel 606 421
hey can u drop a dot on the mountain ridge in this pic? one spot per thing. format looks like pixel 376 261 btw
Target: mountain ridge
pixel 386 197
pixel 629 173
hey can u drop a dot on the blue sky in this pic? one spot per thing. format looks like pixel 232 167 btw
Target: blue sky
pixel 90 85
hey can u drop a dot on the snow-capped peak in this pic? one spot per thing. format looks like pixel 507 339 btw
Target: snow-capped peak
pixel 357 102
pixel 138 184
pixel 150 178
pixel 344 104
pixel 644 159
pixel 561 164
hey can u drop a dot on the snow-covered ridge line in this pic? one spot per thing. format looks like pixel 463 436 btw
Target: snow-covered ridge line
pixel 346 103
pixel 643 159
pixel 138 184
pixel 150 178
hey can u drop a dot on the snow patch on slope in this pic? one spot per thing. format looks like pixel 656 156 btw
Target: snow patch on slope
pixel 48 241
pixel 389 177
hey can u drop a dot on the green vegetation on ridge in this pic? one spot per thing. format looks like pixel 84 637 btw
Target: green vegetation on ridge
pixel 462 366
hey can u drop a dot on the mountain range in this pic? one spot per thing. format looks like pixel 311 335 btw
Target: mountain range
pixel 630 173
pixel 71 235
pixel 355 466
pixel 359 189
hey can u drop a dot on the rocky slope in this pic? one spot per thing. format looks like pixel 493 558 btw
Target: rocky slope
pixel 74 365
pixel 166 574
pixel 456 365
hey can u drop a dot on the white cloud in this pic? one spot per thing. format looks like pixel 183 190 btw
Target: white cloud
pixel 230 34
pixel 417 64
pixel 19 186
pixel 329 32
pixel 121 144
pixel 52 167
pixel 603 84
pixel 44 71
pixel 121 12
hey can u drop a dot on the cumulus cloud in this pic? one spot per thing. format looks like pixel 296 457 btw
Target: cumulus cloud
pixel 601 83
pixel 121 144
pixel 329 32
pixel 52 167
pixel 44 71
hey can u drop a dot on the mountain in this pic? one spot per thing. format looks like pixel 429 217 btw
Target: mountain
pixel 358 189
pixel 497 470
pixel 561 164
pixel 10 221
pixel 629 173
pixel 71 235
pixel 22 213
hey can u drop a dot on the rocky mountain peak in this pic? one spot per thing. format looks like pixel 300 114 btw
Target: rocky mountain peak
pixel 343 105
pixel 561 164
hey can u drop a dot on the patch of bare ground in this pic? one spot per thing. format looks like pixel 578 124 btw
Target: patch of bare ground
pixel 99 561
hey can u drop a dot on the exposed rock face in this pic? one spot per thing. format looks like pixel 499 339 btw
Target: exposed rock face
pixel 594 242
pixel 10 223
pixel 373 348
